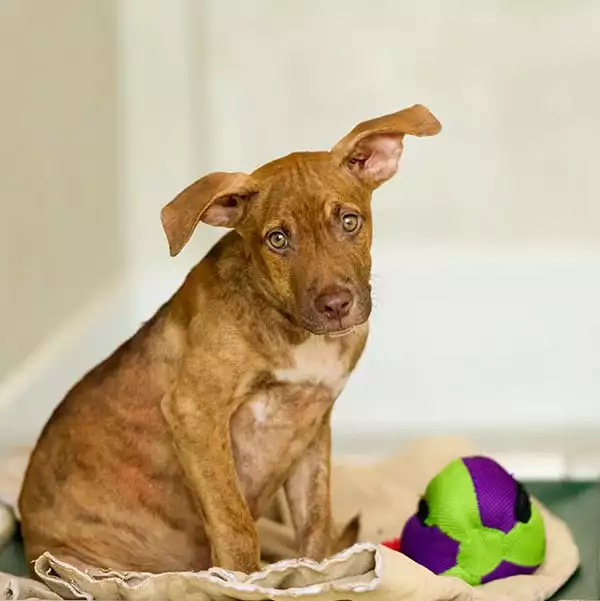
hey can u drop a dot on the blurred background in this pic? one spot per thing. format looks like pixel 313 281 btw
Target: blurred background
pixel 487 245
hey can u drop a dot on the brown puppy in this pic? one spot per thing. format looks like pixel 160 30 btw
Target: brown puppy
pixel 162 457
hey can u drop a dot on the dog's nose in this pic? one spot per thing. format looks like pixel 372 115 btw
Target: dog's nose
pixel 334 303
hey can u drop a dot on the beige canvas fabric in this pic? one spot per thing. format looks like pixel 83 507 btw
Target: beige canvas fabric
pixel 385 495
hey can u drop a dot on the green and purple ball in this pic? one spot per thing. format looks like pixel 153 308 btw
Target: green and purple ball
pixel 476 522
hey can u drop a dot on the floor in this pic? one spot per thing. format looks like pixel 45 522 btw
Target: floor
pixel 577 503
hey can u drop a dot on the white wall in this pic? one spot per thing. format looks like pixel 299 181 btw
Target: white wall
pixel 64 302
pixel 487 249
pixel 60 222
pixel 512 83
pixel 131 56
pixel 487 252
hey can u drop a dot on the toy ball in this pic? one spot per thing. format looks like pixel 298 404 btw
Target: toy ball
pixel 475 522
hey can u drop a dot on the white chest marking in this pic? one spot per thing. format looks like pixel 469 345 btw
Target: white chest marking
pixel 317 362
pixel 259 409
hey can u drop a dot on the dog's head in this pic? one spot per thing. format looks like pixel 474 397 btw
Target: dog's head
pixel 306 219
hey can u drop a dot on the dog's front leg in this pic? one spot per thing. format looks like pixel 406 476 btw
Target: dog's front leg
pixel 202 440
pixel 309 498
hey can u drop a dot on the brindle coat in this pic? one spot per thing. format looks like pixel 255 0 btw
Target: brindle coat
pixel 163 456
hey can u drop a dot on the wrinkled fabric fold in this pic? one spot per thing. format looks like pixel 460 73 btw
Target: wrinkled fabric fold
pixel 383 493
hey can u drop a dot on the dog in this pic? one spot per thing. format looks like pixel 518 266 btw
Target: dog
pixel 163 456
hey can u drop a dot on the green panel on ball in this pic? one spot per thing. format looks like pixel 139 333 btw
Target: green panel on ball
pixel 459 572
pixel 452 502
pixel 525 544
pixel 481 551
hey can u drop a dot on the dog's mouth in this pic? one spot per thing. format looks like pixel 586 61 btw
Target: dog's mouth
pixel 340 333
pixel 333 332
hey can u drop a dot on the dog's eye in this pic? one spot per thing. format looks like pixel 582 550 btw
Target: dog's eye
pixel 277 240
pixel 350 222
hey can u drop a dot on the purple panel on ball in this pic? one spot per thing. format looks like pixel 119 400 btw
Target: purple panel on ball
pixel 506 569
pixel 428 546
pixel 496 493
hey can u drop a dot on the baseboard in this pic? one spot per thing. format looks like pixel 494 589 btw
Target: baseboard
pixel 32 390
pixel 567 454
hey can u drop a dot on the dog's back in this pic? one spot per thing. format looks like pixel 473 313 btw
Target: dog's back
pixel 103 478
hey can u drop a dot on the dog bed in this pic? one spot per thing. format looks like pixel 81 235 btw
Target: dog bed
pixel 384 494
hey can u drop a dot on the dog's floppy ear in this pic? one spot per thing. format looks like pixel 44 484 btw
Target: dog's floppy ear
pixel 217 199
pixel 373 148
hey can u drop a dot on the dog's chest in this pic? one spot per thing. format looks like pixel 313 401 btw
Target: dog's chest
pixel 310 377
pixel 276 424
pixel 316 362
